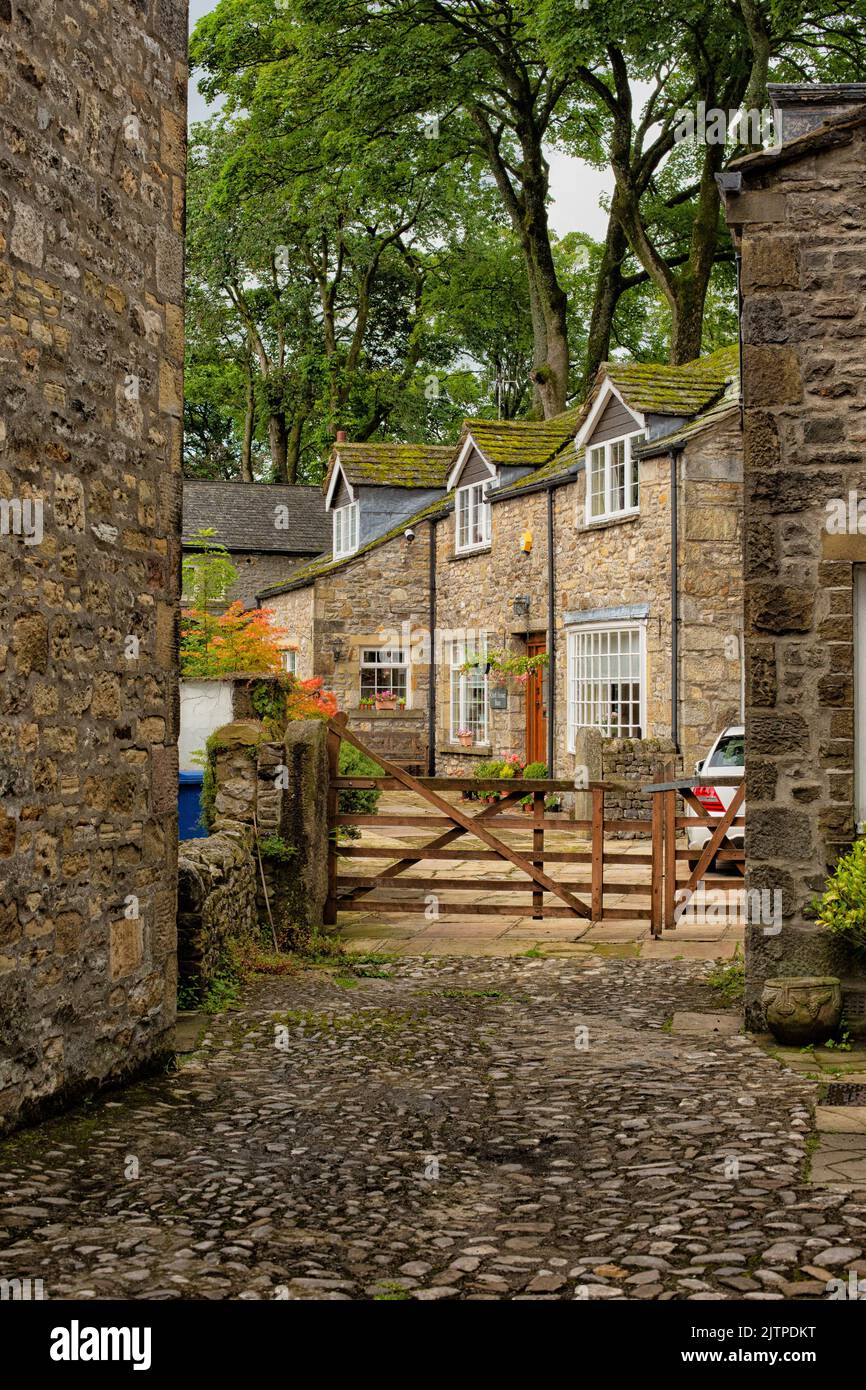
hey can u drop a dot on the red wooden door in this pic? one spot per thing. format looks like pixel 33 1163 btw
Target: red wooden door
pixel 536 714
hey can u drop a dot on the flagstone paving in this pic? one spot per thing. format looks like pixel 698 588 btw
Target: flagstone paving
pixel 457 1129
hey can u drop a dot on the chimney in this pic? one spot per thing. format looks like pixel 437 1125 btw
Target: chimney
pixel 341 436
pixel 801 106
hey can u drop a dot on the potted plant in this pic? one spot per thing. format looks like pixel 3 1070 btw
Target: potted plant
pixel 386 699
pixel 466 737
pixel 401 704
pixel 367 702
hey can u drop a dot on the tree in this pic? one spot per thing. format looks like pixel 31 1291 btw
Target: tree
pixel 240 639
pixel 506 79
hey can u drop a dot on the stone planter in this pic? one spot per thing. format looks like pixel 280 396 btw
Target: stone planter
pixel 802 1009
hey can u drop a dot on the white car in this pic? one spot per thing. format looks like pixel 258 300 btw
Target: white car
pixel 726 756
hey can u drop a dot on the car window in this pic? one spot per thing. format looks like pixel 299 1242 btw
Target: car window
pixel 731 752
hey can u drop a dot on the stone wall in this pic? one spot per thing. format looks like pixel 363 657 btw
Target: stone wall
pixel 801 224
pixel 91 350
pixel 475 593
pixel 711 588
pixel 272 796
pixel 381 597
pixel 216 905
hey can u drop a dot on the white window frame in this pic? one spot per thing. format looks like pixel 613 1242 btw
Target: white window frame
pixel 606 454
pixel 289 660
pixel 345 530
pixel 460 684
pixel 398 658
pixel 573 697
pixel 472 500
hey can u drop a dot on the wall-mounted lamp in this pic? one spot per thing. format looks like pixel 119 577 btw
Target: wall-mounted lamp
pixel 338 649
pixel 520 605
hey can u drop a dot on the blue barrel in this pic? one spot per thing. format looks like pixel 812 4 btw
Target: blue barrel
pixel 189 806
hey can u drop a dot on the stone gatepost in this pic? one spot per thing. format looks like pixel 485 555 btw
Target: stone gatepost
pixel 274 796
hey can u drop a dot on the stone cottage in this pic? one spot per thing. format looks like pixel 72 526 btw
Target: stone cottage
pixel 575 559
pixel 268 529
pixel 91 343
pixel 360 615
pixel 798 212
pixel 548 538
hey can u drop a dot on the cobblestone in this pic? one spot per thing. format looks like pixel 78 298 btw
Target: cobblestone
pixel 438 1134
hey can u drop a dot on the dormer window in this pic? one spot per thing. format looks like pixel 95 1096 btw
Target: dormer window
pixel 613 482
pixel 472 515
pixel 345 530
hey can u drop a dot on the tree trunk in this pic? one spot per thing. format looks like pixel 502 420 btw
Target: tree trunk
pixel 693 282
pixel 278 438
pixel 550 317
pixel 608 289
pixel 249 427
pixel 293 450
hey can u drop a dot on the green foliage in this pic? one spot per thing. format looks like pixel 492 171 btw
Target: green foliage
pixel 841 909
pixel 729 978
pixel 361 801
pixel 274 847
pixel 208 572
pixel 535 770
pixel 207 799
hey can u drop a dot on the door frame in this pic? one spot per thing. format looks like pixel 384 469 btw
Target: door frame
pixel 536 724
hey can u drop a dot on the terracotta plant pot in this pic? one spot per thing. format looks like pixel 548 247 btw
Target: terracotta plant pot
pixel 386 704
pixel 466 740
pixel 802 1009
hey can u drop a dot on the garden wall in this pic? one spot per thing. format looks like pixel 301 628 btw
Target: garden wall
pixel 268 820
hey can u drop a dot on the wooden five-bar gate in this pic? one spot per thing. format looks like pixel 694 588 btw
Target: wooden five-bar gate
pixel 582 898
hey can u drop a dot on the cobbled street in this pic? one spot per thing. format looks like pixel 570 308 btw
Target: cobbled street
pixel 440 1133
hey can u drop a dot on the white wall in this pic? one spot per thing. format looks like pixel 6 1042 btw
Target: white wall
pixel 204 707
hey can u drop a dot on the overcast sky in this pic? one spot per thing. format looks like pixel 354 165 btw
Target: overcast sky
pixel 575 186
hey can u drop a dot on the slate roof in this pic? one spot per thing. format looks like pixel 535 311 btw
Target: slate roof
pixel 838 130
pixel 393 465
pixel 659 389
pixel 560 467
pixel 712 381
pixel 326 564
pixel 243 516
pixel 521 443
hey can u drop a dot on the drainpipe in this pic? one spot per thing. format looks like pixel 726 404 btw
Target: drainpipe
pixel 551 637
pixel 675 615
pixel 431 669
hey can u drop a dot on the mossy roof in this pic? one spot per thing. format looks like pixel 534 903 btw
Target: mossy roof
pixel 521 443
pixel 326 564
pixel 393 465
pixel 658 389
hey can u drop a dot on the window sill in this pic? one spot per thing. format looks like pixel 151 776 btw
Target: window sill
pixel 468 554
pixel 385 713
pixel 603 522
pixel 475 750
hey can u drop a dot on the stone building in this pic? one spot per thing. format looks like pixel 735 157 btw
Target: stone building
pixel 798 212
pixel 360 615
pixel 267 529
pixel 594 580
pixel 524 565
pixel 91 343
